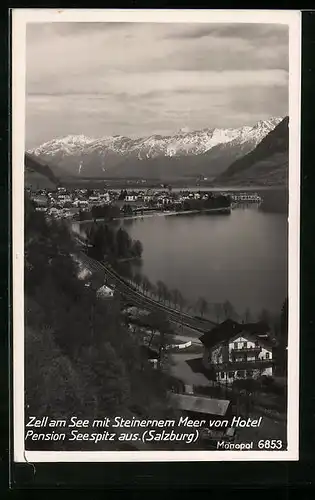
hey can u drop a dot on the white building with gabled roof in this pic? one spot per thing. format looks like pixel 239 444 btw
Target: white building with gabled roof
pixel 234 351
pixel 105 292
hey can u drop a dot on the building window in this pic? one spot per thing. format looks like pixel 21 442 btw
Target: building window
pixel 222 374
pixel 267 355
pixel 231 374
pixel 245 345
pixel 235 345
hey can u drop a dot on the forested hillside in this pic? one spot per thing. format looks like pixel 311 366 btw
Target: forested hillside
pixel 80 357
pixel 267 164
pixel 38 174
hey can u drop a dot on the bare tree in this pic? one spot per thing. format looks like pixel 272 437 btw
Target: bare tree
pixel 153 290
pixel 176 295
pixel 138 280
pixel 168 296
pixel 146 284
pixel 160 290
pixel 202 306
pixel 164 291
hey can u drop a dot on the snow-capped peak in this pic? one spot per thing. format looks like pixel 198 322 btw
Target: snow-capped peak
pixel 183 130
pixel 77 139
pixel 67 144
pixel 182 143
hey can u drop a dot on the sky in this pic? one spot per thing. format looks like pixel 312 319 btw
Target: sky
pixel 138 79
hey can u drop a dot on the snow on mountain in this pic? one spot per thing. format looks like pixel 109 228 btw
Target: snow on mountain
pixel 182 143
pixel 68 144
pixel 80 151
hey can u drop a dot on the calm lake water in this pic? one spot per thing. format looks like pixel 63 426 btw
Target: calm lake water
pixel 240 257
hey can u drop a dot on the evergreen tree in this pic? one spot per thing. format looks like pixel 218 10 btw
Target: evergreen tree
pixel 137 248
pixel 123 241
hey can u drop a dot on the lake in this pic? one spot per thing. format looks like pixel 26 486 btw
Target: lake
pixel 241 257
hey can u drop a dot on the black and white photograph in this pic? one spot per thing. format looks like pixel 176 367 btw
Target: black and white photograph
pixel 155 235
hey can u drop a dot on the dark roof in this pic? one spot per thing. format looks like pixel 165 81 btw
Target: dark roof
pixel 200 404
pixel 229 328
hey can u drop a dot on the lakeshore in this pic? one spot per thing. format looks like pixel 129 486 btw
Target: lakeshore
pixel 165 213
pixel 223 210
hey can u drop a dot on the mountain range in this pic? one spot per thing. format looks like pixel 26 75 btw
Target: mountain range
pixel 208 153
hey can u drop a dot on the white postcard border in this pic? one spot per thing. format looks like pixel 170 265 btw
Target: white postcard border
pixel 20 18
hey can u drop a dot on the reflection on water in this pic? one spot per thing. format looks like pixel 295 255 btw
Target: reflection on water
pixel 241 258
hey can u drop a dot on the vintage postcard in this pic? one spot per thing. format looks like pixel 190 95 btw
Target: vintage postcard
pixel 156 195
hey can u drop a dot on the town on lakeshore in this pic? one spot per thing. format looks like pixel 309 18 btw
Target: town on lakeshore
pixel 84 204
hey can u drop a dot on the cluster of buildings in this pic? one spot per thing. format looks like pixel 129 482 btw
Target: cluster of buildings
pixel 66 202
pixel 160 197
pixel 245 197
